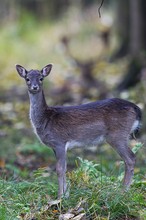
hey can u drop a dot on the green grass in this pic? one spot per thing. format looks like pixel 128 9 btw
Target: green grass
pixel 92 192
pixel 104 195
pixel 23 198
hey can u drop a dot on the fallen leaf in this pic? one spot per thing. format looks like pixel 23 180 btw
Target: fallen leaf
pixel 2 163
pixel 66 216
pixel 79 217
pixel 54 202
pixel 55 211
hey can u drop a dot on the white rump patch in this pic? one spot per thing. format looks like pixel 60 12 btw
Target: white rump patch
pixel 135 125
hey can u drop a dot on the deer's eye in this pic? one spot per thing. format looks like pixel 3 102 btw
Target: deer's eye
pixel 27 80
pixel 41 79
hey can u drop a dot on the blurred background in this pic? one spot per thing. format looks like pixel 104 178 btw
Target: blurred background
pixel 94 57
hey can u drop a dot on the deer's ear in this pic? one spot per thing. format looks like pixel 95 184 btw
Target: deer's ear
pixel 46 70
pixel 21 70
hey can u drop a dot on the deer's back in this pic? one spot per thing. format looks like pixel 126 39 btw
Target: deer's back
pixel 91 122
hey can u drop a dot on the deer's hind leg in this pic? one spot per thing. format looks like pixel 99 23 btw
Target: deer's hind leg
pixel 121 146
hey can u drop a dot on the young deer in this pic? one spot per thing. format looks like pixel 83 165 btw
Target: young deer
pixel 62 127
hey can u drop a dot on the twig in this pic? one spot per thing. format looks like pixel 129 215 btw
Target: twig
pixel 100 8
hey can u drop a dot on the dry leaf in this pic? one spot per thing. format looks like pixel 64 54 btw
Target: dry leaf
pixel 2 163
pixel 54 202
pixel 79 217
pixel 66 216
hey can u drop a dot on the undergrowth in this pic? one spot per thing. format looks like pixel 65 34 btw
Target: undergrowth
pixel 93 195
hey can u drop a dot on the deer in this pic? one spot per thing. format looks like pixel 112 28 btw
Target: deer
pixel 112 120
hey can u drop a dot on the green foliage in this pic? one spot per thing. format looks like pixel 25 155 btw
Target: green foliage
pixel 36 148
pixel 3 213
pixel 88 196
pixel 21 198
pixel 106 198
pixel 137 147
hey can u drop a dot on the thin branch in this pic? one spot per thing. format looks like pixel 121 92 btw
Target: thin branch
pixel 100 8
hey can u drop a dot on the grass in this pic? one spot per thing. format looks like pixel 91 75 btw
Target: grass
pixel 93 193
pixel 104 195
pixel 21 198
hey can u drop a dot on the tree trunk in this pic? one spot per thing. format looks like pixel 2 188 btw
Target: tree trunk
pixel 122 26
pixel 136 43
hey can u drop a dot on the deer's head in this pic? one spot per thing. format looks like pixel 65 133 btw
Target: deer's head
pixel 34 78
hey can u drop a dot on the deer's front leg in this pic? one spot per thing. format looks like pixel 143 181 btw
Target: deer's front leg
pixel 61 170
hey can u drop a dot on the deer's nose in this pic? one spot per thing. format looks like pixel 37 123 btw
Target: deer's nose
pixel 35 87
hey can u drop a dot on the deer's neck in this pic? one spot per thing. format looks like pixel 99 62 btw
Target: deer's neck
pixel 38 108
